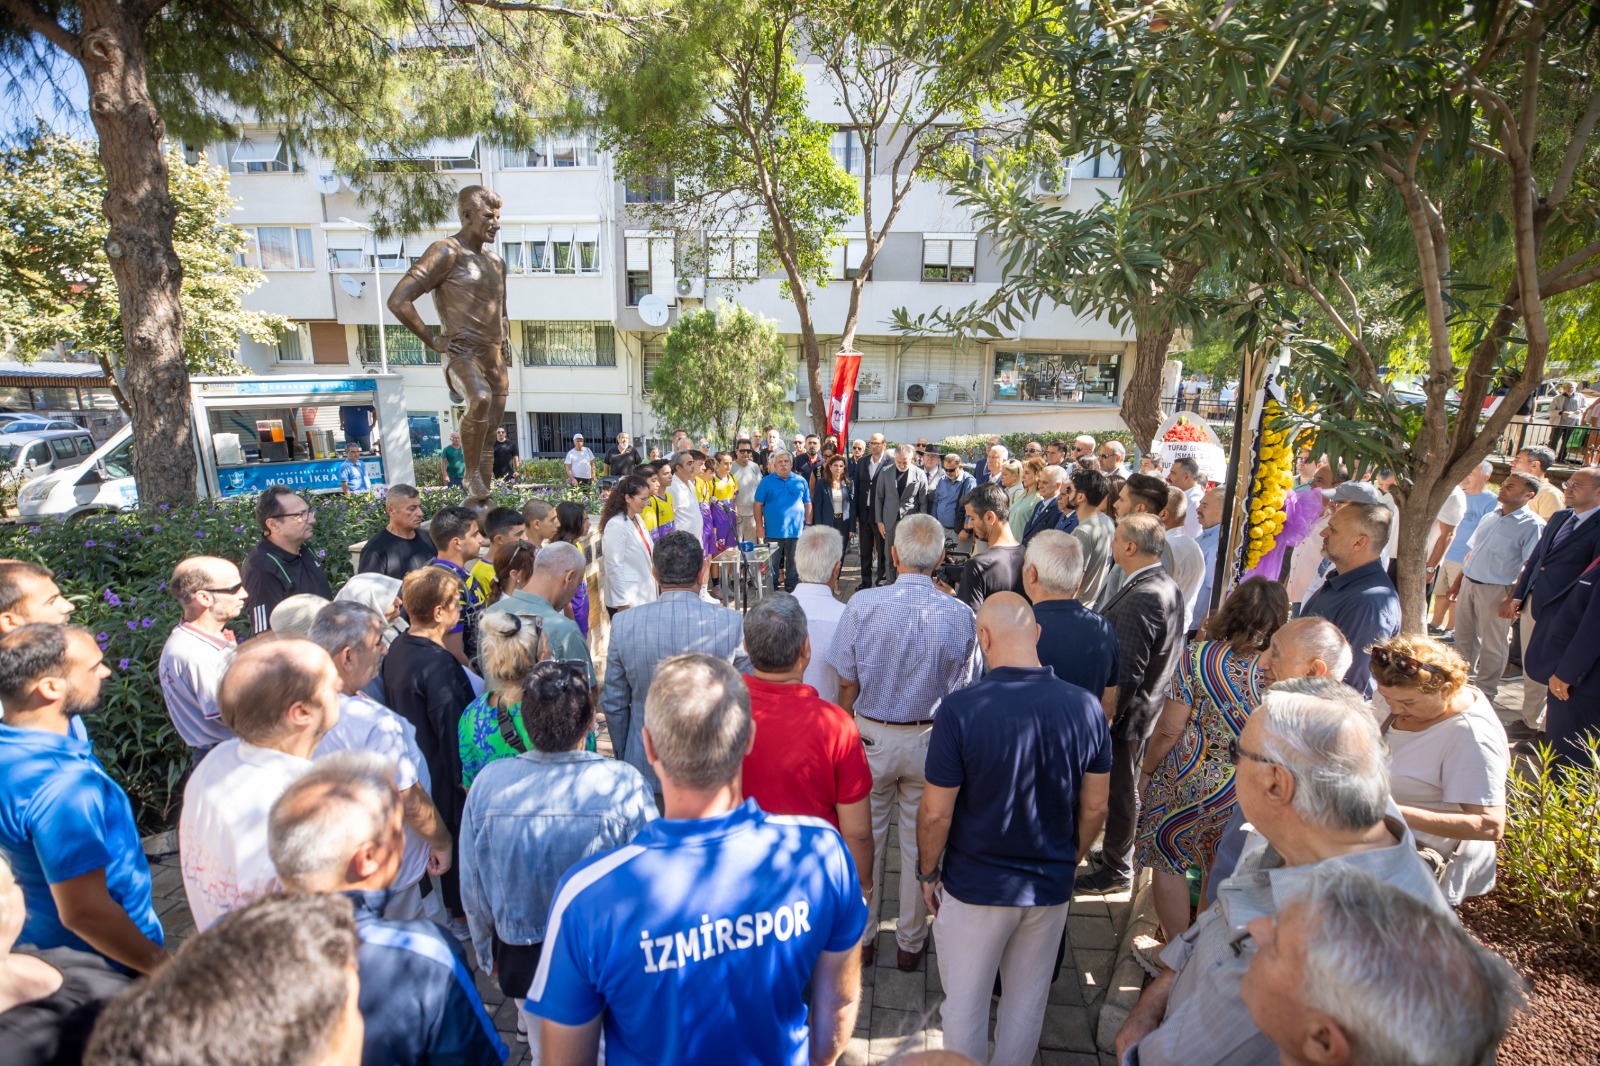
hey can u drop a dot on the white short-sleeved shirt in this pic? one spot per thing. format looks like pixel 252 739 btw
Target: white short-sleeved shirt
pixel 1456 760
pixel 222 836
pixel 1451 514
pixel 366 725
pixel 581 460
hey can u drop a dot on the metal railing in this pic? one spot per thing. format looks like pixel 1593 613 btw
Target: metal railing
pixel 1208 408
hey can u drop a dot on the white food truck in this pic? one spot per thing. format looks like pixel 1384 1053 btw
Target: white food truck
pixel 251 432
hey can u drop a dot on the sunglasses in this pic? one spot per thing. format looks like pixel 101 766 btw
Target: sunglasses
pixel 1235 753
pixel 231 591
pixel 1404 665
pixel 1108 455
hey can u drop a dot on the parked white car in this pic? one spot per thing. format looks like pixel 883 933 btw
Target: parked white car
pixel 27 454
pixel 99 484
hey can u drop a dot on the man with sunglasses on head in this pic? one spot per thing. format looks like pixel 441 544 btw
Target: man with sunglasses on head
pixel 211 594
pixel 279 566
pixel 746 474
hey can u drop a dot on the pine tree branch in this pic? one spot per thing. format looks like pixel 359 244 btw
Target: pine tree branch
pixel 39 21
pixel 609 18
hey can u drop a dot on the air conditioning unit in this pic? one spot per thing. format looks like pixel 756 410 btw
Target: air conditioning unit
pixel 691 288
pixel 792 393
pixel 922 392
pixel 1051 183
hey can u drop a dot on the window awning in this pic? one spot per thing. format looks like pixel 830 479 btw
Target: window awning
pixel 388 249
pixel 347 241
pixel 263 149
pixel 439 148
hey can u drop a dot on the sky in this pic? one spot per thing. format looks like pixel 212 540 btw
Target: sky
pixel 62 103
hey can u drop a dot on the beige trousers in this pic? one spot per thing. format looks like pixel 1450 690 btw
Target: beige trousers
pixel 975 943
pixel 897 755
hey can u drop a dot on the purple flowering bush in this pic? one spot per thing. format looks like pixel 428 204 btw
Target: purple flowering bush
pixel 116 569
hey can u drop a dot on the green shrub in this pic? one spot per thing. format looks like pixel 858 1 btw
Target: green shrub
pixel 115 570
pixel 1549 860
pixel 430 471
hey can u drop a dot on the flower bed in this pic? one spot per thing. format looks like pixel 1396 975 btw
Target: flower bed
pixel 115 570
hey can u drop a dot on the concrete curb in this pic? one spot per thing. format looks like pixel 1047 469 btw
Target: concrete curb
pixel 1127 976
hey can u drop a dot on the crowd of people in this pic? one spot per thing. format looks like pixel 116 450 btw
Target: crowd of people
pixel 406 779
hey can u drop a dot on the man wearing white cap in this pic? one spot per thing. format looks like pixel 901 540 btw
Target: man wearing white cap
pixel 580 463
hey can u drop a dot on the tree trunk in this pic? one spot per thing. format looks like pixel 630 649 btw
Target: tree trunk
pixel 140 213
pixel 813 352
pixel 1153 328
pixel 1411 554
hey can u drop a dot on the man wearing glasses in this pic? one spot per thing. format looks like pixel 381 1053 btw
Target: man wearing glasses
pixel 279 567
pixel 1111 456
pixel 746 474
pixel 944 501
pixel 211 594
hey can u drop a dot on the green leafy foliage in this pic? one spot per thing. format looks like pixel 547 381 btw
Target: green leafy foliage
pixel 973 446
pixel 1549 860
pixel 56 285
pixel 720 370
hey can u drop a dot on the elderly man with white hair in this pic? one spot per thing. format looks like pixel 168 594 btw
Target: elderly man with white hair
pixel 1327 986
pixel 900 649
pixel 995 460
pixel 1113 456
pixel 899 492
pixel 1313 781
pixel 818 557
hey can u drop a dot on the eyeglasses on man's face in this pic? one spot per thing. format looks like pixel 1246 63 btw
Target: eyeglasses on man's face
pixel 232 590
pixel 1237 751
pixel 1108 455
pixel 287 515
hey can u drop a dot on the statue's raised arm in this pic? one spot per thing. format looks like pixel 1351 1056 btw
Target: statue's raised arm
pixel 468 281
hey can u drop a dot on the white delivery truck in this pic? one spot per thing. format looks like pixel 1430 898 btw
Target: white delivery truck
pixel 251 432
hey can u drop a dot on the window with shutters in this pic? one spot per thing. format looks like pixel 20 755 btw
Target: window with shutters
pixel 651 268
pixel 949 259
pixel 1105 164
pixel 653 353
pixel 731 258
pixel 847 253
pixel 569 344
pixel 562 150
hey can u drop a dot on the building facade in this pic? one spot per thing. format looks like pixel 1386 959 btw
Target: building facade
pixel 580 259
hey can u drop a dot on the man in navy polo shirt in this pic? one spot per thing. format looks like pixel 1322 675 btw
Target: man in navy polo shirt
pixel 65 826
pixel 1079 645
pixel 1019 775
pixel 696 943
pixel 783 509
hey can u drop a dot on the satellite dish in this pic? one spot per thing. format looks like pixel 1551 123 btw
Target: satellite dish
pixel 653 309
pixel 353 287
pixel 327 183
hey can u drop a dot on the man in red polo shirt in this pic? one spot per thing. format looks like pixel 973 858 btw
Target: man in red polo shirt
pixel 807 756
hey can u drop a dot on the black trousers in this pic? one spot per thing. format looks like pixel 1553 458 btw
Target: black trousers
pixel 872 547
pixel 1122 814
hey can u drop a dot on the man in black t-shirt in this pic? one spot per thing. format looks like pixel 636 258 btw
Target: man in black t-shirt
pixel 505 456
pixel 623 459
pixel 999 567
pixel 280 566
pixel 402 546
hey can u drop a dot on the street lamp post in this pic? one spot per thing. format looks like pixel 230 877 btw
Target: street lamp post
pixel 377 286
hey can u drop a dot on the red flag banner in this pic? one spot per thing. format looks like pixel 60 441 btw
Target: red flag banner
pixel 846 366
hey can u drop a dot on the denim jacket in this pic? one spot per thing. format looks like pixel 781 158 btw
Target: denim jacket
pixel 528 820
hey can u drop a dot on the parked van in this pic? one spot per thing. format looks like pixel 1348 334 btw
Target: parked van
pixel 100 483
pixel 27 454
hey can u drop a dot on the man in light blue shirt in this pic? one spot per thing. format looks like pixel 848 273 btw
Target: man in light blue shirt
pixel 353 475
pixel 1495 555
pixel 944 501
pixel 782 510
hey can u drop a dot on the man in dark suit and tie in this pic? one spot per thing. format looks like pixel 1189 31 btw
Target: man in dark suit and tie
pixel 1146 614
pixel 900 490
pixel 1047 513
pixel 1570 542
pixel 874 552
pixel 1564 654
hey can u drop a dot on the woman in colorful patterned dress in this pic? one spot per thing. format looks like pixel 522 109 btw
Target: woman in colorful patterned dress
pixel 1187 778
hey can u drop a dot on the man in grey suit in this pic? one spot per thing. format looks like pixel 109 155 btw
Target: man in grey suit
pixel 1146 614
pixel 899 492
pixel 642 637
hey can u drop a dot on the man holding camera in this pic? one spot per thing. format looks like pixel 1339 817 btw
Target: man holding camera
pixel 998 568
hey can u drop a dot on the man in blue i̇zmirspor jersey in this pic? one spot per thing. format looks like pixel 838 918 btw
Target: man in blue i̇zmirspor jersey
pixel 697 942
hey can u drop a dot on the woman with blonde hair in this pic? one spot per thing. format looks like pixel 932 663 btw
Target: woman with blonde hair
pixel 1186 778
pixel 1448 758
pixel 1022 507
pixel 510 646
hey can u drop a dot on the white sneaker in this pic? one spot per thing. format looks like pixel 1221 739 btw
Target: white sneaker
pixel 458 929
pixel 522 1029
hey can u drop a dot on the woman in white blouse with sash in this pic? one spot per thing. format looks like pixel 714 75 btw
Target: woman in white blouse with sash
pixel 625 546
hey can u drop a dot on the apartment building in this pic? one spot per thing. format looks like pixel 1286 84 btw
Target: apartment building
pixel 579 260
